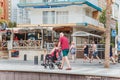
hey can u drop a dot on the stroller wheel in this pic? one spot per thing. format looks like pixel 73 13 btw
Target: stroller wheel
pixel 58 63
pixel 51 66
pixel 42 64
pixel 59 66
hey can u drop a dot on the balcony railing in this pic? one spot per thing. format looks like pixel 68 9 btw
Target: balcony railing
pixel 90 20
pixel 64 19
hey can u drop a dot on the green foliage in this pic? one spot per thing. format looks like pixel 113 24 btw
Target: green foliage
pixel 102 17
pixel 1 11
pixel 102 41
pixel 117 27
pixel 112 44
pixel 12 24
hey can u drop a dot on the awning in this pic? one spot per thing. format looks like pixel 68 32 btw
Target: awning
pixel 85 34
pixel 56 4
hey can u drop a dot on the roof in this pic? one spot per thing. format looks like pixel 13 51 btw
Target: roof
pixel 82 33
pixel 55 4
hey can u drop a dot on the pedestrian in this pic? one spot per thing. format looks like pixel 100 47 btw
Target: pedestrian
pixel 64 44
pixel 73 51
pixel 111 55
pixel 116 54
pixel 86 52
pixel 94 52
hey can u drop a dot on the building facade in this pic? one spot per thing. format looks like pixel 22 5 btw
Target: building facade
pixel 81 13
pixel 78 19
pixel 4 9
pixel 18 15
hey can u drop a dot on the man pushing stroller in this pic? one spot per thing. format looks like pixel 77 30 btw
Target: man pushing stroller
pixel 52 58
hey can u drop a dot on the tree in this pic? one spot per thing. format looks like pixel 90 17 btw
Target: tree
pixel 117 27
pixel 107 37
pixel 12 24
pixel 102 17
pixel 0 12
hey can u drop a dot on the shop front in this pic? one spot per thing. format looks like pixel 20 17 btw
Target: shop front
pixel 28 41
pixel 81 37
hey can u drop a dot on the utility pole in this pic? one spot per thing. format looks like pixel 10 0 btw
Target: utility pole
pixel 107 37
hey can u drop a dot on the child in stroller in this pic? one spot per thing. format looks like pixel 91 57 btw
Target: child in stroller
pixel 52 58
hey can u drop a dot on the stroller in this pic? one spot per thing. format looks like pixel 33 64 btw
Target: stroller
pixel 52 60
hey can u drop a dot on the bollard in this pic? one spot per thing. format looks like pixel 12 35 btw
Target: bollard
pixel 119 58
pixel 41 58
pixel 36 60
pixel 25 57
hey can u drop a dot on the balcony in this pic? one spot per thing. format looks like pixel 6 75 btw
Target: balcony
pixel 86 19
pixel 64 19
pixel 57 3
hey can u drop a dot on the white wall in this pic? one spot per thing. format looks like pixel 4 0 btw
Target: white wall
pixel 76 14
pixel 36 17
pixel 30 54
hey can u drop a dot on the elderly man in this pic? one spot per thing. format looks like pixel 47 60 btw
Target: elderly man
pixel 64 44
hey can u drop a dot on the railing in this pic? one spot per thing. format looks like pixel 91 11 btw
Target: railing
pixel 62 19
pixel 100 47
pixel 79 47
pixel 3 45
pixel 27 44
pixel 90 20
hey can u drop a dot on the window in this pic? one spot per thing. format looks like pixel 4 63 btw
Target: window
pixel 46 0
pixel 52 17
pixel 48 17
pixel 115 12
pixel 62 17
pixel 87 12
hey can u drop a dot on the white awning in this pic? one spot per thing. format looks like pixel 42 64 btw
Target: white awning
pixel 82 33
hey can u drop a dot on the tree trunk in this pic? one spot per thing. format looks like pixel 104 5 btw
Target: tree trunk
pixel 107 39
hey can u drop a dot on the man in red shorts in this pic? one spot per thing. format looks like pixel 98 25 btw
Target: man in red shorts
pixel 64 44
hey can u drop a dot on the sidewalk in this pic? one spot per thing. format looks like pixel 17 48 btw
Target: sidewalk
pixel 78 68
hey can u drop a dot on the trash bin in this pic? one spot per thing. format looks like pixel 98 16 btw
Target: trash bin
pixel 25 57
pixel 41 58
pixel 36 60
